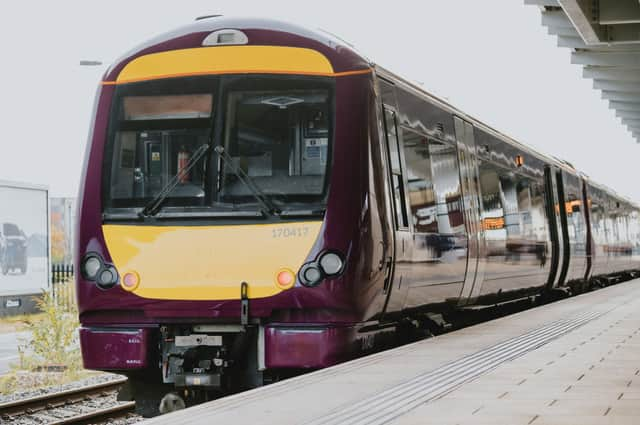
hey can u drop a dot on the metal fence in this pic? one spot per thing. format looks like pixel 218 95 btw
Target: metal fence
pixel 62 286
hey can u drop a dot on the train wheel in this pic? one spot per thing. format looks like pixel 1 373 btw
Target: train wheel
pixel 147 391
pixel 171 402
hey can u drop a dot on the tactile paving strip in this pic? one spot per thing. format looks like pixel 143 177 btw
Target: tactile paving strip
pixel 401 399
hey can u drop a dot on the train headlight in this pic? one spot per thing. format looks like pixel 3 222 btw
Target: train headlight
pixel 94 269
pixel 107 278
pixel 91 265
pixel 310 275
pixel 331 263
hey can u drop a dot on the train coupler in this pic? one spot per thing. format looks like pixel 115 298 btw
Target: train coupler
pixel 194 359
pixel 202 380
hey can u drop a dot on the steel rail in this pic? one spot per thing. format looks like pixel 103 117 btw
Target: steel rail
pixel 31 405
pixel 100 415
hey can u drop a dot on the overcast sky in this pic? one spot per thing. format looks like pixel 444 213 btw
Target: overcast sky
pixel 492 59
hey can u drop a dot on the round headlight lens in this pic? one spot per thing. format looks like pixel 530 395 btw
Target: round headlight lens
pixel 91 267
pixel 108 278
pixel 331 263
pixel 310 275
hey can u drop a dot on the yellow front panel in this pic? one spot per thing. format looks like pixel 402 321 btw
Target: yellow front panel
pixel 225 60
pixel 209 263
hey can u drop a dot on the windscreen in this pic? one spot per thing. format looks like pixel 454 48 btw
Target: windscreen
pixel 156 136
pixel 275 130
pixel 280 139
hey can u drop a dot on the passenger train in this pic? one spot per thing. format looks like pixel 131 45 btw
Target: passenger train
pixel 259 199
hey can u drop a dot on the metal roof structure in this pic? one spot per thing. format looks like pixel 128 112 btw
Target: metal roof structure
pixel 604 36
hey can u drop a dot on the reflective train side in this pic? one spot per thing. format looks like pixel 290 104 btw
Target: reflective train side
pixel 531 223
pixel 258 199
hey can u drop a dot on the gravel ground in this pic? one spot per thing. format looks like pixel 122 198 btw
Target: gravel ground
pixel 97 379
pixel 131 420
pixel 53 415
pixel 69 411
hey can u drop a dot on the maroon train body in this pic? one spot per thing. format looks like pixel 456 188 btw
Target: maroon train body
pixel 259 199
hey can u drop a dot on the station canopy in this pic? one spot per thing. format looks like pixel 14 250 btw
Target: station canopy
pixel 604 36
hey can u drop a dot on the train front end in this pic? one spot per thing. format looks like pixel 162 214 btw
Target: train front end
pixel 221 201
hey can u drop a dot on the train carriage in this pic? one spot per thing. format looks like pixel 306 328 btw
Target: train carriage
pixel 259 199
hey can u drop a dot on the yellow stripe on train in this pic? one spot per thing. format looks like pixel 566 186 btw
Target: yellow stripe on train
pixel 209 263
pixel 225 60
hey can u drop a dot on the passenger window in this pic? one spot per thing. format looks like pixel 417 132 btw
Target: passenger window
pixel 396 170
pixel 446 184
pixel 513 213
pixel 634 229
pixel 598 222
pixel 608 230
pixel 622 228
pixel 493 221
pixel 510 206
pixel 539 227
pixel 422 199
pixel 524 206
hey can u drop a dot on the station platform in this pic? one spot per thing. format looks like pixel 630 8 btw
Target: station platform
pixel 575 361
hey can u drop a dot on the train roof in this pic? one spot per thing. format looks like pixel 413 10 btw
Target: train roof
pixel 477 123
pixel 259 31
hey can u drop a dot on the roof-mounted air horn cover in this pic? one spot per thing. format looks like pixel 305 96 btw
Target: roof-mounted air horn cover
pixel 226 37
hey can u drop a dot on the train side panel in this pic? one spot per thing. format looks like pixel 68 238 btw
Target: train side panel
pixel 514 218
pixel 535 228
pixel 615 237
pixel 430 267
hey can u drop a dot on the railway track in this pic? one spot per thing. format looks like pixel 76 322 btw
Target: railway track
pixel 90 404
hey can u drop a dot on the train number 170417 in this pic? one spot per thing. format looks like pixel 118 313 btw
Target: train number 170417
pixel 290 232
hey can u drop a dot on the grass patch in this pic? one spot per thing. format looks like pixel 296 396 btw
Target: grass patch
pixel 51 353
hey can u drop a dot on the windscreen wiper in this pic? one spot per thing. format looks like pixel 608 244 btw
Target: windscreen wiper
pixel 268 207
pixel 153 207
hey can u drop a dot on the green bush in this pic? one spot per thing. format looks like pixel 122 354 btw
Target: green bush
pixel 51 353
pixel 54 337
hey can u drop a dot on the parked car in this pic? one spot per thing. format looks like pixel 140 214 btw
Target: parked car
pixel 13 249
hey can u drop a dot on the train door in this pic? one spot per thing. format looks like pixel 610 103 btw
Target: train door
pixel 398 253
pixel 556 231
pixel 402 235
pixel 586 204
pixel 564 229
pixel 468 163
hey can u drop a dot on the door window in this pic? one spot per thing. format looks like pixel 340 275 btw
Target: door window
pixel 402 221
